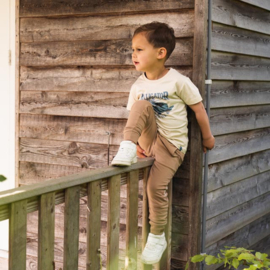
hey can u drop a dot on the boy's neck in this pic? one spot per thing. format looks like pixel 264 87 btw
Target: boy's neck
pixel 156 74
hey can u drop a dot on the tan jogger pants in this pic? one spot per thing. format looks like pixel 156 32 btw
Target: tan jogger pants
pixel 141 128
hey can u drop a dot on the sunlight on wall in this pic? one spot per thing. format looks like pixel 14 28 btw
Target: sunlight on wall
pixel 7 104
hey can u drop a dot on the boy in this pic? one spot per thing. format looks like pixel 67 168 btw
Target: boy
pixel 157 124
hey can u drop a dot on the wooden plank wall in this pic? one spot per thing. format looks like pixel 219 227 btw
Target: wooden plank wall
pixel 239 166
pixel 75 76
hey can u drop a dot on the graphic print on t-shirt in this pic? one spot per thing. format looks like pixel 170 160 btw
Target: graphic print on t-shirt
pixel 161 109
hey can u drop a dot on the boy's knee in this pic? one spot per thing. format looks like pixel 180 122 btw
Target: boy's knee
pixel 141 104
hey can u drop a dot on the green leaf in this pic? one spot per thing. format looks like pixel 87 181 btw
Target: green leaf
pixel 2 178
pixel 246 256
pixel 211 260
pixel 235 263
pixel 187 266
pixel 197 258
pixel 258 255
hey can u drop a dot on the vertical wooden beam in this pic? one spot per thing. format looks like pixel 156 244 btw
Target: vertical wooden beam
pixel 17 91
pixel 145 225
pixel 71 228
pixel 114 185
pixel 132 220
pixel 46 232
pixel 17 235
pixel 93 261
pixel 198 78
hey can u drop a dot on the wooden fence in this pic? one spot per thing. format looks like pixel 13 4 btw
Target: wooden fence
pixel 16 203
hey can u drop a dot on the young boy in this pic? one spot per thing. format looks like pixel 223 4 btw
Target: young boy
pixel 157 124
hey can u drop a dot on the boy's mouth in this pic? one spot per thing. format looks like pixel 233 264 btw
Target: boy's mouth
pixel 136 63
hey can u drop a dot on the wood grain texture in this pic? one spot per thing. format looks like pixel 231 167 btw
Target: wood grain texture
pixel 17 235
pixel 102 28
pixel 233 170
pixel 230 66
pixel 145 218
pixel 82 78
pixel 237 40
pixel 239 93
pixel 241 215
pixel 231 120
pixel 71 227
pixel 83 104
pixel 65 153
pixel 132 220
pixel 195 179
pixel 93 226
pixel 97 52
pixel 242 15
pixel 240 144
pixel 113 222
pixel 31 8
pixel 58 247
pixel 259 3
pixel 79 129
pixel 46 223
pixel 225 198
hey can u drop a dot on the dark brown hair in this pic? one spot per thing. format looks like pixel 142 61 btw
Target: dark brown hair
pixel 159 35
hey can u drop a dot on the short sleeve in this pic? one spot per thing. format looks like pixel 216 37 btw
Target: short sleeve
pixel 189 93
pixel 132 97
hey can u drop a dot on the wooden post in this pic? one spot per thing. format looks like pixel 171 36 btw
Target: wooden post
pixel 71 228
pixel 93 261
pixel 114 185
pixel 46 232
pixel 195 181
pixel 17 235
pixel 132 220
pixel 145 225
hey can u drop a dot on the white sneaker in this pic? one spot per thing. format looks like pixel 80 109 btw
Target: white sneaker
pixel 154 248
pixel 126 155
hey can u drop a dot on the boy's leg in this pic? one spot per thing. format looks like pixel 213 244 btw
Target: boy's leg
pixel 141 127
pixel 167 160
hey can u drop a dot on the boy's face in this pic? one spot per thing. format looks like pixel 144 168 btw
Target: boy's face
pixel 144 56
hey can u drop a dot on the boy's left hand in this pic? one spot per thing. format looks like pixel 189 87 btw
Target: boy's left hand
pixel 208 144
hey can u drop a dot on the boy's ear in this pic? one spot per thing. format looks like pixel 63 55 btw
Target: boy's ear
pixel 162 52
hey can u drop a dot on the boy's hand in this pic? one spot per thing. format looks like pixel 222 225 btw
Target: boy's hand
pixel 208 143
pixel 140 152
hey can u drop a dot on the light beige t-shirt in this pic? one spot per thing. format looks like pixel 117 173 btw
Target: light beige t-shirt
pixel 169 96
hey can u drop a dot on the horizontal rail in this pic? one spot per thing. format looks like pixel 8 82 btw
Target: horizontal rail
pixel 33 203
pixel 27 192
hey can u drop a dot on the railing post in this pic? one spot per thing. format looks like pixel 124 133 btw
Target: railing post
pixel 46 232
pixel 71 227
pixel 17 235
pixel 93 260
pixel 114 185
pixel 145 225
pixel 132 220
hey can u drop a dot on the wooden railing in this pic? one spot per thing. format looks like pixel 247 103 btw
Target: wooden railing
pixel 16 203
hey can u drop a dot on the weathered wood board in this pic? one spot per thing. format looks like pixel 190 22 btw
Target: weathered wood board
pixel 104 27
pixel 239 93
pixel 34 8
pixel 237 40
pixel 242 15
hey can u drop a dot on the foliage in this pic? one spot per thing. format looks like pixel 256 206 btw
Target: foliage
pixel 2 178
pixel 234 257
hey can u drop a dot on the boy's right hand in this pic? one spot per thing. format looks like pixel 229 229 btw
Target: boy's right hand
pixel 140 152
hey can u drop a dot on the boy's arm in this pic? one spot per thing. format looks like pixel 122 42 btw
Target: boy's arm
pixel 203 121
